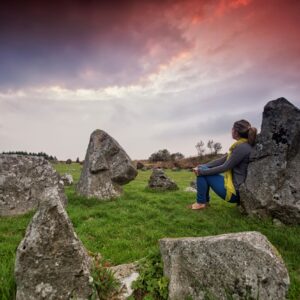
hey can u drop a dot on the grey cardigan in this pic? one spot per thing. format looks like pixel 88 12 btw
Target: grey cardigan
pixel 238 162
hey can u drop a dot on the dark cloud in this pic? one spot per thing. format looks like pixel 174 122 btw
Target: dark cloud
pixel 84 43
pixel 94 44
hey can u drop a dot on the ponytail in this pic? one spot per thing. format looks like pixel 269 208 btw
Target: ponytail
pixel 245 130
pixel 252 132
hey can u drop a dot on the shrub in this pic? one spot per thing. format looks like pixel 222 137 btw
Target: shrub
pixel 104 283
pixel 151 284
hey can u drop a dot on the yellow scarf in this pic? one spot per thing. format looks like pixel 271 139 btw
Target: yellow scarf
pixel 228 181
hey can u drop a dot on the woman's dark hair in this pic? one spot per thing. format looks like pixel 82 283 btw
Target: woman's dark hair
pixel 245 130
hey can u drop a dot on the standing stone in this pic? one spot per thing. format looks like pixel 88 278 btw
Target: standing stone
pixel 22 180
pixel 229 266
pixel 51 262
pixel 106 167
pixel 160 181
pixel 272 187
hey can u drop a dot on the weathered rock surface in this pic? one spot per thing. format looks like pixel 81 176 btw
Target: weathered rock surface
pixel 230 266
pixel 160 181
pixel 190 189
pixel 193 184
pixel 272 187
pixel 67 179
pixel 106 167
pixel 125 274
pixel 22 180
pixel 51 262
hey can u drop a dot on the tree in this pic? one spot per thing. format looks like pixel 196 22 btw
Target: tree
pixel 40 154
pixel 176 156
pixel 217 147
pixel 161 155
pixel 210 146
pixel 200 148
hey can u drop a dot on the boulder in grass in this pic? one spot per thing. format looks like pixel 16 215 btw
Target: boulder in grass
pixel 229 266
pixel 139 165
pixel 126 274
pixel 106 168
pixel 190 189
pixel 22 180
pixel 51 262
pixel 67 179
pixel 272 187
pixel 160 181
pixel 193 184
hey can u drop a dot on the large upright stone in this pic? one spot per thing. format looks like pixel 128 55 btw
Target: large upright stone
pixel 106 167
pixel 229 266
pixel 272 187
pixel 22 180
pixel 51 261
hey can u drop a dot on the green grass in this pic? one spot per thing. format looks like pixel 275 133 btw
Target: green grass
pixel 128 228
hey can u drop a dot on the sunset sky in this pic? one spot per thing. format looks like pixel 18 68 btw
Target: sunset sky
pixel 153 74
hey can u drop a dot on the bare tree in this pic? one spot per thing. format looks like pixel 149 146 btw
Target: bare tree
pixel 217 147
pixel 200 148
pixel 210 146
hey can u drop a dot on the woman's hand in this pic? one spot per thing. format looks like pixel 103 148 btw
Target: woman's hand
pixel 196 171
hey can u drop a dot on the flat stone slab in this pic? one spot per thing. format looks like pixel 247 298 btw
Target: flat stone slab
pixel 230 266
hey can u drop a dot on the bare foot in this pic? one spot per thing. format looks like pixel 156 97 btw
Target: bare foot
pixel 197 206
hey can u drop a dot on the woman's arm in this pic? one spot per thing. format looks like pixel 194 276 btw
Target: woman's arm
pixel 236 157
pixel 216 162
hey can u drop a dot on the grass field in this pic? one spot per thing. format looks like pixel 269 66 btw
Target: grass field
pixel 126 229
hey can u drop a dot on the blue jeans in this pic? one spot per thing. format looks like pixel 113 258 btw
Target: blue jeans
pixel 216 182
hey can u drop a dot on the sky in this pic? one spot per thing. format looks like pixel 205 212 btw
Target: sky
pixel 153 74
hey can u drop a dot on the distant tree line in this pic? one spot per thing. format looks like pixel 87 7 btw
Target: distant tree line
pixel 214 148
pixel 165 155
pixel 40 154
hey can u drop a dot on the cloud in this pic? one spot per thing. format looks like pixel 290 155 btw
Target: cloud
pixel 93 44
pixel 153 74
pixel 85 45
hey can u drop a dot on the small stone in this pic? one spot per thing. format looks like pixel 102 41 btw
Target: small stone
pixel 126 274
pixel 189 189
pixel 67 179
pixel 159 181
pixel 139 165
pixel 277 223
pixel 193 184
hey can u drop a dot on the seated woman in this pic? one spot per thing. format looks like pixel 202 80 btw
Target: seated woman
pixel 234 166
